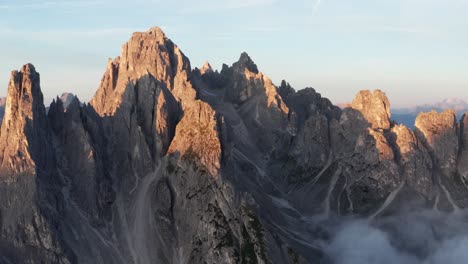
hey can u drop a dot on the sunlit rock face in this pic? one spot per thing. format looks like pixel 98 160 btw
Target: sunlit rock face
pixel 172 165
pixel 198 137
pixel 375 108
pixel 30 197
pixel 440 133
pixel 24 118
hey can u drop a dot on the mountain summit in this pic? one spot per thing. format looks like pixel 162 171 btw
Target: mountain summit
pixel 169 164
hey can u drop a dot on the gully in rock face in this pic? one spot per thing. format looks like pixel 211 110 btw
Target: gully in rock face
pixel 169 164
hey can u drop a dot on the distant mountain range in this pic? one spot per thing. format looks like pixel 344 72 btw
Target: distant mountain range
pixel 407 116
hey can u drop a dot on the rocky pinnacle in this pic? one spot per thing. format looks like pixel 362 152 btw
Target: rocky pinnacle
pixel 172 165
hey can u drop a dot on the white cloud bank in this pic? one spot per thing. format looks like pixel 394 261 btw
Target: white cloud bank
pixel 414 238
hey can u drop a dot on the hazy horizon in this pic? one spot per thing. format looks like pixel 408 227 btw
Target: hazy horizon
pixel 413 50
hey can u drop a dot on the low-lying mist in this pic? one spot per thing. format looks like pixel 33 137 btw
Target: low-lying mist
pixel 422 237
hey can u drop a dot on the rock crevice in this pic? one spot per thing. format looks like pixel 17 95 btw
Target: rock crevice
pixel 173 165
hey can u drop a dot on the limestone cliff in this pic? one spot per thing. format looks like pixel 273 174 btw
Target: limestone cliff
pixel 172 165
pixel 23 131
pixel 30 197
pixel 375 108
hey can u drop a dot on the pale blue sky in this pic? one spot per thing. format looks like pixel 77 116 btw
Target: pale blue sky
pixel 414 50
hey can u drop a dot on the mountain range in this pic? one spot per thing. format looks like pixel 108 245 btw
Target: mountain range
pixel 173 164
pixel 407 116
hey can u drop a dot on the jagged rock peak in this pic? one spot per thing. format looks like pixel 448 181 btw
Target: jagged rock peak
pixel 245 62
pixel 152 52
pixel 24 93
pixel 28 68
pixel 375 107
pixel 67 99
pixel 246 82
pixel 206 68
pixel 285 89
pixel 158 32
pixel 24 118
pixel 149 55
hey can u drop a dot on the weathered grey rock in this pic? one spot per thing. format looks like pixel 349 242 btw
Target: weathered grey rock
pixel 246 82
pixel 29 185
pixel 414 160
pixel 172 165
pixel 463 155
pixel 67 99
pixel 440 133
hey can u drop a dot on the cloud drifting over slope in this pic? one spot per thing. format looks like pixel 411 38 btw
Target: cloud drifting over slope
pixel 425 237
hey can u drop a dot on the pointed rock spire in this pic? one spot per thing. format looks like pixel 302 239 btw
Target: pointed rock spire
pixel 24 126
pixel 146 54
pixel 375 107
pixel 285 90
pixel 245 62
pixel 67 99
pixel 206 68
pixel 158 32
pixel 246 81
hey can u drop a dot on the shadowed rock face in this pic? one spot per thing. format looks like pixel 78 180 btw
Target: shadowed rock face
pixel 463 166
pixel 2 107
pixel 30 198
pixel 172 165
pixel 67 99
pixel 440 133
